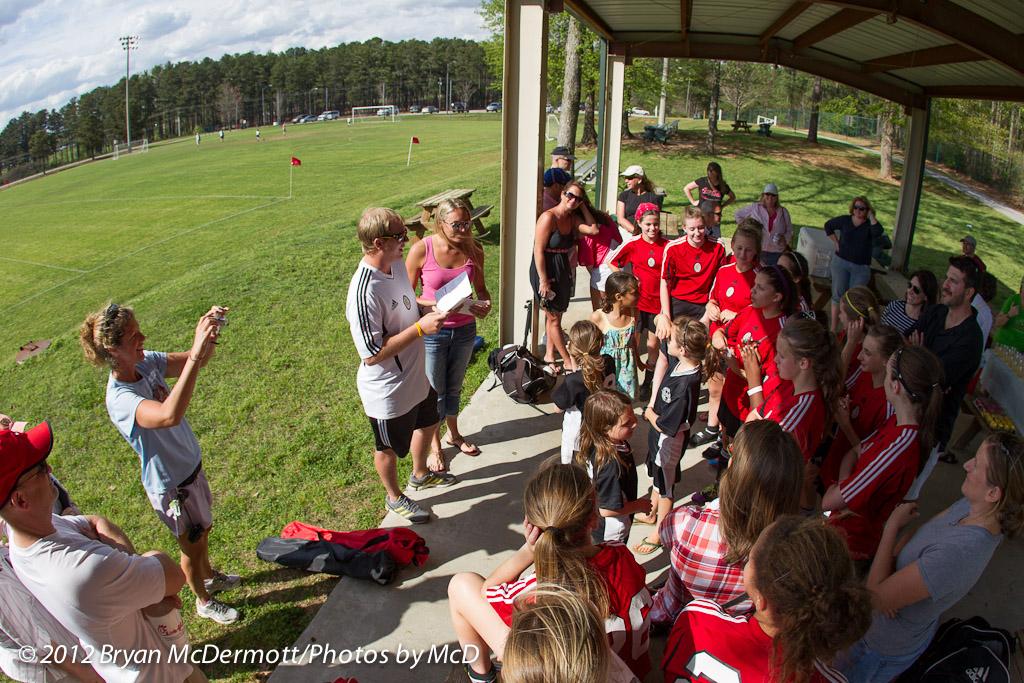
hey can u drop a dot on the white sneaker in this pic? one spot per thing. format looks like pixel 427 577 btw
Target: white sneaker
pixel 218 611
pixel 222 582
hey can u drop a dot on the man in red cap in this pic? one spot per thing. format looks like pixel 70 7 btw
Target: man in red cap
pixel 84 570
pixel 969 244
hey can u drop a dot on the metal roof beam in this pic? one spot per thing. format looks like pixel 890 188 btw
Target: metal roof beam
pixel 943 54
pixel 954 23
pixel 1002 93
pixel 590 17
pixel 837 23
pixel 784 19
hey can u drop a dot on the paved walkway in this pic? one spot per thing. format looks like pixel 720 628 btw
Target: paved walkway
pixel 479 524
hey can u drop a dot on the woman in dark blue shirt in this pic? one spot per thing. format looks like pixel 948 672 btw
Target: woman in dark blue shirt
pixel 853 236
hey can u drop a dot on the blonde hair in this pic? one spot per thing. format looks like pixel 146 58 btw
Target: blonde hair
pixel 469 248
pixel 375 222
pixel 691 212
pixel 1006 470
pixel 752 230
pixel 584 342
pixel 102 331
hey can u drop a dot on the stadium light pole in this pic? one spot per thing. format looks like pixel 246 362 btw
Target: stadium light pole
pixel 128 43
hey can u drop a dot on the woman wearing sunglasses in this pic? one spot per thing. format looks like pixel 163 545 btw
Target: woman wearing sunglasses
pixel 435 261
pixel 853 236
pixel 552 277
pixel 922 292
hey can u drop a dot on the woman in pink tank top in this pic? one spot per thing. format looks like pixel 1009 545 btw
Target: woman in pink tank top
pixel 435 261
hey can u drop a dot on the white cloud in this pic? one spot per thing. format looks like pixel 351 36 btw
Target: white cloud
pixel 56 49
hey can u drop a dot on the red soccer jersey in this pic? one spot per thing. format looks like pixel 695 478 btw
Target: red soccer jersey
pixel 731 290
pixel 709 646
pixel 868 411
pixel 802 415
pixel 749 325
pixel 629 623
pixel 690 271
pixel 884 472
pixel 646 258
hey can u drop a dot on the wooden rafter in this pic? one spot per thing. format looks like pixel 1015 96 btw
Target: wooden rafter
pixel 588 15
pixel 1003 93
pixel 933 56
pixel 685 13
pixel 837 23
pixel 783 20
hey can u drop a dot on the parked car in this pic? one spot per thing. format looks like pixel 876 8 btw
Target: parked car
pixel 329 115
pixel 415 109
pixel 637 111
pixel 494 106
pixel 549 109
pixel 387 110
pixel 459 107
pixel 299 119
pixel 430 109
pixel 309 119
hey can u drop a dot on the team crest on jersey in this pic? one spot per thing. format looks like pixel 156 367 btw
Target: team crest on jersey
pixel 650 261
pixel 747 337
pixel 696 266
pixel 730 291
pixel 666 394
pixel 405 300
pixel 855 412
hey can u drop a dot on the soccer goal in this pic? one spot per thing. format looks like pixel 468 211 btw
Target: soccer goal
pixel 552 125
pixel 380 112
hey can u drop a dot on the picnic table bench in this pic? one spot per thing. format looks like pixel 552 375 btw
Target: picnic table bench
pixel 741 123
pixel 660 133
pixel 587 171
pixel 425 219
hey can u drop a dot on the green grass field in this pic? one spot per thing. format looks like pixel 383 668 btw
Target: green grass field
pixel 179 228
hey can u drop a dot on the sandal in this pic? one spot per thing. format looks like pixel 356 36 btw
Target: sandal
pixel 551 367
pixel 948 457
pixel 464 446
pixel 645 547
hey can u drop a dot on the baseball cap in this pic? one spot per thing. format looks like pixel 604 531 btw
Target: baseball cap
pixel 632 171
pixel 771 189
pixel 562 152
pixel 20 452
pixel 970 240
pixel 556 175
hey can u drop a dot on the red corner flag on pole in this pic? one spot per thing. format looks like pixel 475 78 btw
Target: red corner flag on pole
pixel 296 162
pixel 412 141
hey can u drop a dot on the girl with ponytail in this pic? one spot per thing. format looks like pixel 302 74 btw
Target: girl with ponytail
pixel 808 605
pixel 560 507
pixel 595 371
pixel 859 311
pixel 878 475
pixel 934 566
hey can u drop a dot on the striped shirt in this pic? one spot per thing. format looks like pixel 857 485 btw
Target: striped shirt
pixel 895 314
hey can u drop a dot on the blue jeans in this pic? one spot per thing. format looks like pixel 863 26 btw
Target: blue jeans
pixel 448 354
pixel 770 258
pixel 846 275
pixel 861 664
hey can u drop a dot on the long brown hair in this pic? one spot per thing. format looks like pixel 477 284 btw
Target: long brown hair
pixel 782 282
pixel 861 302
pixel 104 330
pixel 810 340
pixel 803 570
pixel 619 282
pixel 763 482
pixel 920 372
pixel 693 338
pixel 584 342
pixel 600 216
pixel 601 412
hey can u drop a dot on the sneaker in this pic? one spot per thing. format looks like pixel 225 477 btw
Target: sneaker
pixel 407 509
pixel 490 677
pixel 222 582
pixel 706 435
pixel 713 451
pixel 706 495
pixel 218 611
pixel 718 463
pixel 431 480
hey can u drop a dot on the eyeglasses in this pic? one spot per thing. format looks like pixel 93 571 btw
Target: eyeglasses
pixel 460 225
pixel 33 472
pixel 400 237
pixel 716 213
pixel 859 207
pixel 573 197
pixel 914 288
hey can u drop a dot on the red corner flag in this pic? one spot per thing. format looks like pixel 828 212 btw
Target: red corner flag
pixel 415 141
pixel 296 162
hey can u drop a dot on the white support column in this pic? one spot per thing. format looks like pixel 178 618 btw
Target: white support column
pixel 910 187
pixel 616 70
pixel 522 145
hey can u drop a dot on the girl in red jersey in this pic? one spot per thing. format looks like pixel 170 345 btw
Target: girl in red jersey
pixel 874 481
pixel 796 264
pixel 864 406
pixel 644 254
pixel 729 295
pixel 808 361
pixel 560 508
pixel 859 311
pixel 808 603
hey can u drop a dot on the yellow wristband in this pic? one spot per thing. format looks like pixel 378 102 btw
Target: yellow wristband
pixel 418 328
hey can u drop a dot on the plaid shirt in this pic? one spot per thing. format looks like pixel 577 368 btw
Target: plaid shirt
pixel 696 550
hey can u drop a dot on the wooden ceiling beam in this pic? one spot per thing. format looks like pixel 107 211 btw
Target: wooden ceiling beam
pixel 1002 93
pixel 686 14
pixel 837 23
pixel 783 20
pixel 589 16
pixel 934 56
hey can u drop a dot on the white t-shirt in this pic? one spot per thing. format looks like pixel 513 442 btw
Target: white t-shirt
pixel 984 316
pixel 380 305
pixel 97 592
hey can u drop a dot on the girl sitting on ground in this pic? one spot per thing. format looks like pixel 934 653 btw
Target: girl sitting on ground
pixel 560 510
pixel 596 371
pixel 808 605
pixel 708 545
pixel 608 424
pixel 675 409
pixel 615 320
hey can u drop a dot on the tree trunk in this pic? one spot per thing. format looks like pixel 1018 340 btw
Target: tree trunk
pixel 663 103
pixel 812 126
pixel 888 130
pixel 570 87
pixel 589 131
pixel 709 145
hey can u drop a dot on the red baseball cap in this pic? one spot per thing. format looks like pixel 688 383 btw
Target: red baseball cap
pixel 20 452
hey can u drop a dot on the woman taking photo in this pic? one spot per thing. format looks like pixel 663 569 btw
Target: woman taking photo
pixel 151 418
pixel 712 188
pixel 851 264
pixel 639 190
pixel 436 260
pixel 922 292
pixel 917 578
pixel 778 229
pixel 552 277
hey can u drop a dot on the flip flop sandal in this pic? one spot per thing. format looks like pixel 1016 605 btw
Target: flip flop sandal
pixel 461 444
pixel 641 522
pixel 645 547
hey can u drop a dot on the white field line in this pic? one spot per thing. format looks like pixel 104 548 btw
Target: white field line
pixel 141 249
pixel 44 265
pixel 143 199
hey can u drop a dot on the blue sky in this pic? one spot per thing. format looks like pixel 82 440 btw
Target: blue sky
pixel 52 50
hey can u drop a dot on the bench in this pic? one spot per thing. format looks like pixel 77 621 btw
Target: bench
pixel 660 133
pixel 740 123
pixel 587 171
pixel 476 214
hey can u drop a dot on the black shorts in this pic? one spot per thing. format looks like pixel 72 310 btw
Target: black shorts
pixel 729 422
pixel 646 321
pixel 395 433
pixel 687 308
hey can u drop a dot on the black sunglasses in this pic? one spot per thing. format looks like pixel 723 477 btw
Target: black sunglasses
pixel 399 237
pixel 570 195
pixel 914 288
pixel 858 207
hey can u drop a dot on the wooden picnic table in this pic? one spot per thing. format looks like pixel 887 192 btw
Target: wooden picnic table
pixel 741 123
pixel 431 203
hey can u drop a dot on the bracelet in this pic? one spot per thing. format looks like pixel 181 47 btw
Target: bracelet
pixel 754 390
pixel 418 328
pixel 194 360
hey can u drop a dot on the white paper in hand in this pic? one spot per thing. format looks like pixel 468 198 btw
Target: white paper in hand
pixel 453 294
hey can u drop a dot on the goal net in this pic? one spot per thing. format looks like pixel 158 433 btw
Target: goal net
pixel 380 112
pixel 551 128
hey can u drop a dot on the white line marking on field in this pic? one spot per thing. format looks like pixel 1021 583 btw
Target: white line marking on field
pixel 141 249
pixel 144 199
pixel 44 265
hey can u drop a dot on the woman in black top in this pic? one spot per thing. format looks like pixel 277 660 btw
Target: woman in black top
pixel 639 190
pixel 712 188
pixel 851 265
